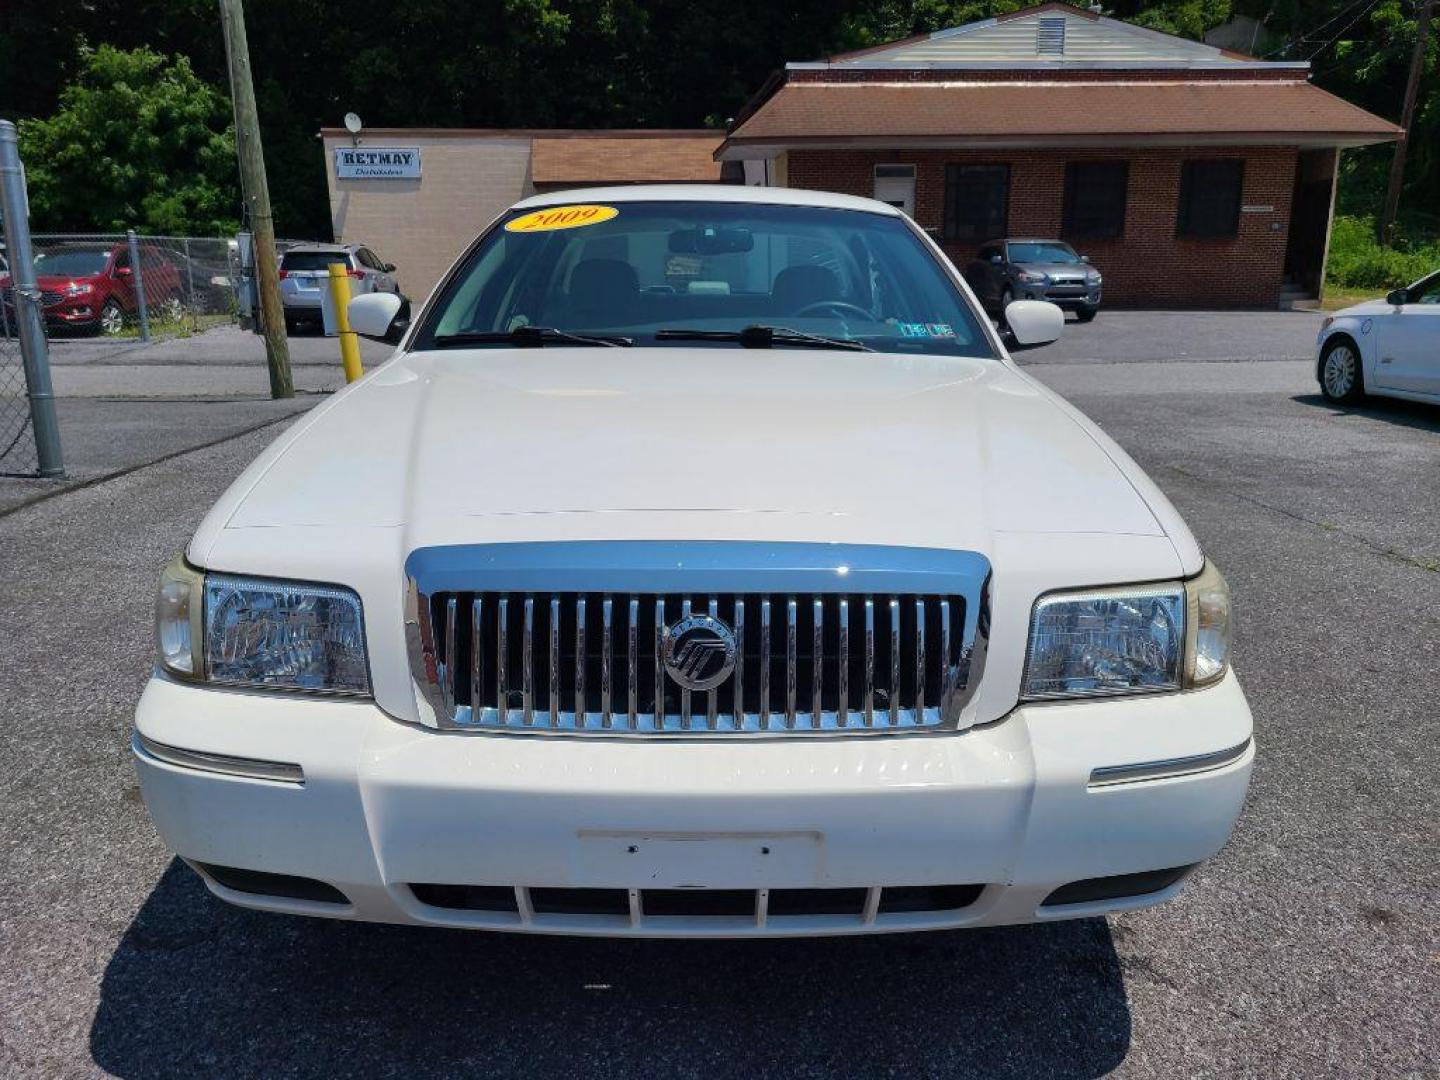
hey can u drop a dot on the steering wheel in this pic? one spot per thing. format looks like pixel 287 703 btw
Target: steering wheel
pixel 837 306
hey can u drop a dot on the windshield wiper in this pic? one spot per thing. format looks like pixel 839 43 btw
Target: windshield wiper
pixel 764 337
pixel 530 337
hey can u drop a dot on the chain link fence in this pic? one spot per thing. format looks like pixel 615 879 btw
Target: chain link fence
pixel 18 455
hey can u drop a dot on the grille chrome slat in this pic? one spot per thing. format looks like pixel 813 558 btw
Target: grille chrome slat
pixel 869 662
pixel 580 706
pixel 894 662
pixel 632 638
pixel 502 657
pixel 607 606
pixel 658 663
pixel 764 663
pixel 792 645
pixel 712 697
pixel 913 656
pixel 554 698
pixel 920 655
pixel 527 665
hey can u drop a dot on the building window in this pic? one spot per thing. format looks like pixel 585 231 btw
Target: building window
pixel 1210 193
pixel 1095 199
pixel 977 202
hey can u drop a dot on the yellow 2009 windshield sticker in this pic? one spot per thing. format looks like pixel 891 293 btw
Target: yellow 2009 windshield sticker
pixel 561 217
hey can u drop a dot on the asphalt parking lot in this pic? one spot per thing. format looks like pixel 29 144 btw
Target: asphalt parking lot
pixel 1310 946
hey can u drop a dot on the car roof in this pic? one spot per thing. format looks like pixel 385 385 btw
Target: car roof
pixel 726 193
pixel 321 248
pixel 1029 240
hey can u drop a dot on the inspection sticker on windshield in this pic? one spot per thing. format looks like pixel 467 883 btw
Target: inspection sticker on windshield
pixel 926 330
pixel 561 217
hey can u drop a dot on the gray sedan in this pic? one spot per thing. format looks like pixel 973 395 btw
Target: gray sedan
pixel 1006 270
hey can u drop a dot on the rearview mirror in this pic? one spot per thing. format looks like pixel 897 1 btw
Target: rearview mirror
pixel 1397 297
pixel 1032 323
pixel 382 316
pixel 711 240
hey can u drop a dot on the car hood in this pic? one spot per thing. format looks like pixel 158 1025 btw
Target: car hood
pixel 1367 307
pixel 1063 269
pixel 501 445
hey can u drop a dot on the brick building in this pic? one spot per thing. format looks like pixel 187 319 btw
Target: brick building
pixel 1193 176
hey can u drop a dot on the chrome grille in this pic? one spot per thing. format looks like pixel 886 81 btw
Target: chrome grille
pixel 578 661
pixel 595 661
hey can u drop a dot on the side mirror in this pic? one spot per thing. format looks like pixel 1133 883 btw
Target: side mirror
pixel 1397 297
pixel 382 316
pixel 1033 323
pixel 997 259
pixel 123 271
pixel 1085 258
pixel 388 268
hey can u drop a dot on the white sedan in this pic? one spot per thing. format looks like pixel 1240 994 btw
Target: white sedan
pixel 701 563
pixel 1390 347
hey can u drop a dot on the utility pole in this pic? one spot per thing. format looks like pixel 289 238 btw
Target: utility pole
pixel 1407 118
pixel 257 198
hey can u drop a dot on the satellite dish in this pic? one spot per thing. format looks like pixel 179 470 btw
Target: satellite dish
pixel 352 123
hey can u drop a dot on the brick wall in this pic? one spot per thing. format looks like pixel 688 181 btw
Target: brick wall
pixel 1149 266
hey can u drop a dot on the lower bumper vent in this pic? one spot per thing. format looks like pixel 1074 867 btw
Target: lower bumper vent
pixel 748 904
pixel 283 886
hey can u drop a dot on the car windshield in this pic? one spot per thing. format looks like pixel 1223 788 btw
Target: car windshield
pixel 718 274
pixel 76 262
pixel 312 260
pixel 1043 251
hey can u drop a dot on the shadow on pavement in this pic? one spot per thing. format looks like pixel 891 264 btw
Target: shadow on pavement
pixel 1411 414
pixel 198 987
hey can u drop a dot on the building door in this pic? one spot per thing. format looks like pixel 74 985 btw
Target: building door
pixel 1310 208
pixel 895 184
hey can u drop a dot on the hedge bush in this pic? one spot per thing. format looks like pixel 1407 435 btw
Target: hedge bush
pixel 1358 262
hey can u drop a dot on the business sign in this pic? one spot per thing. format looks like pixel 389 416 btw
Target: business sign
pixel 377 163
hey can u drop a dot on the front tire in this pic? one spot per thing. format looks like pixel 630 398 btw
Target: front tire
pixel 1007 297
pixel 1342 377
pixel 1086 314
pixel 112 318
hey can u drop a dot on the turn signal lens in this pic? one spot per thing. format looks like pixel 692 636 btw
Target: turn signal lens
pixel 1207 637
pixel 177 619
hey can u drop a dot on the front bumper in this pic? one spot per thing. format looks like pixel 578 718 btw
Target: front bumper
pixel 1068 298
pixel 1011 809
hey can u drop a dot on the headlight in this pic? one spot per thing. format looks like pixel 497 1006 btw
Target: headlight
pixel 1095 279
pixel 1029 277
pixel 79 288
pixel 258 632
pixel 1129 640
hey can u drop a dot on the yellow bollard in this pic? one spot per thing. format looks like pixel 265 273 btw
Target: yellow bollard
pixel 349 341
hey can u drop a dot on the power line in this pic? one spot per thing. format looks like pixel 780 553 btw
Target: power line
pixel 1314 31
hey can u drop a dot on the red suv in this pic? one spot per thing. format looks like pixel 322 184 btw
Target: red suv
pixel 91 287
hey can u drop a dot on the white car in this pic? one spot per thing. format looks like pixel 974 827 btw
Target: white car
pixel 305 277
pixel 699 564
pixel 1389 348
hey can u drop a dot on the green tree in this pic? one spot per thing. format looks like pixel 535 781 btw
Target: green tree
pixel 138 141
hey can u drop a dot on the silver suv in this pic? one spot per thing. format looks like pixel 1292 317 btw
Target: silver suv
pixel 305 269
pixel 1006 270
